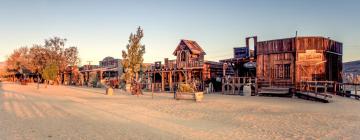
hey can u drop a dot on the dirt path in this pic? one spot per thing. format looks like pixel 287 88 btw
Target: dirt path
pixel 61 112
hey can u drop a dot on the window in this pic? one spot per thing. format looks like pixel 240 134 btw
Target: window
pixel 282 71
pixel 183 56
pixel 287 71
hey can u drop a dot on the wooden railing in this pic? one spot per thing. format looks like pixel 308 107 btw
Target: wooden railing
pixel 234 85
pixel 191 64
pixel 238 80
pixel 261 83
pixel 316 86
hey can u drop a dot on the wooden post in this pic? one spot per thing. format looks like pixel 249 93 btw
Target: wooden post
pixel 152 89
pixel 316 87
pixel 325 88
pixel 148 80
pixel 189 76
pixel 233 86
pixel 170 81
pixel 162 82
pixel 256 87
pixel 355 89
pixel 223 87
pixel 180 77
pixel 344 88
pixel 186 77
pixel 154 80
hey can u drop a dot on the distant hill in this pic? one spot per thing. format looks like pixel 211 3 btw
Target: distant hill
pixel 352 67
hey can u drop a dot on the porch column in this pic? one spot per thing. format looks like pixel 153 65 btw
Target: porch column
pixel 170 81
pixel 180 77
pixel 162 81
pixel 186 77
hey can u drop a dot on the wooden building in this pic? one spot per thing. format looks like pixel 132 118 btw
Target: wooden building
pixel 240 71
pixel 244 61
pixel 188 67
pixel 287 62
pixel 108 71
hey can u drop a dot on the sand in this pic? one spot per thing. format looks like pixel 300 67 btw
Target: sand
pixel 66 112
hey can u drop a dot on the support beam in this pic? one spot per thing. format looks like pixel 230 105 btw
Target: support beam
pixel 170 81
pixel 162 81
pixel 356 90
pixel 180 77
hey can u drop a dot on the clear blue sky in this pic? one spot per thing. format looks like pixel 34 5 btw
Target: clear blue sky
pixel 101 28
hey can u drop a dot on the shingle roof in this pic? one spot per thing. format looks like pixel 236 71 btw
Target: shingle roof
pixel 193 46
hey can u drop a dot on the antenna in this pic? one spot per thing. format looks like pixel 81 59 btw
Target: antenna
pixel 296 34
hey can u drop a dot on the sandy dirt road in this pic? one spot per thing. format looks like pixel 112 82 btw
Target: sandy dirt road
pixel 65 112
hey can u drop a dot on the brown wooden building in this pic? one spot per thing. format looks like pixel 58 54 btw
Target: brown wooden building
pixel 286 62
pixel 188 67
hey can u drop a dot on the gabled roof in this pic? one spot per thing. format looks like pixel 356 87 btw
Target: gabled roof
pixel 193 46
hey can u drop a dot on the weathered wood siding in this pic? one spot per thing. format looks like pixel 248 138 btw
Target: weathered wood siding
pixel 275 62
pixel 318 58
pixel 285 62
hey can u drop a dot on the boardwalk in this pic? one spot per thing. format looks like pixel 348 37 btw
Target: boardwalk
pixel 60 112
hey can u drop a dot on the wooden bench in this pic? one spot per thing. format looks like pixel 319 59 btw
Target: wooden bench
pixel 198 96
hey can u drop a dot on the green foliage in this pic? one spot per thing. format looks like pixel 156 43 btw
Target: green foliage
pixel 133 57
pixel 50 72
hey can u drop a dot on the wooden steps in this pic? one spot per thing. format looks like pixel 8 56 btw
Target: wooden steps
pixel 321 97
pixel 274 91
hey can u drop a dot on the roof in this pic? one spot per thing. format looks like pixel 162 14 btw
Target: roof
pixel 193 46
pixel 298 37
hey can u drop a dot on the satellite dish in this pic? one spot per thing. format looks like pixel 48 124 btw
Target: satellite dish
pixel 250 65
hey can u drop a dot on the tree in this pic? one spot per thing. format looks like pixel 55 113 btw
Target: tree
pixel 19 61
pixel 60 55
pixel 39 57
pixel 133 56
pixel 36 58
pixel 71 55
pixel 50 73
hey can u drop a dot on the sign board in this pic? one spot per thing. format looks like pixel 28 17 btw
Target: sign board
pixel 310 55
pixel 250 65
pixel 158 65
pixel 241 52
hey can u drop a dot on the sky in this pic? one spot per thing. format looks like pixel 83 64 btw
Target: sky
pixel 101 28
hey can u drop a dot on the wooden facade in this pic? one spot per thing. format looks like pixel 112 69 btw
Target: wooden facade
pixel 108 71
pixel 243 64
pixel 287 62
pixel 188 67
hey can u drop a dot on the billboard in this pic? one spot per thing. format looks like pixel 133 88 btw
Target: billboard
pixel 241 52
